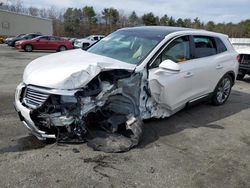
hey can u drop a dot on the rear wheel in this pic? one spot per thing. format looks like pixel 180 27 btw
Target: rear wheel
pixel 85 46
pixel 222 90
pixel 62 48
pixel 28 48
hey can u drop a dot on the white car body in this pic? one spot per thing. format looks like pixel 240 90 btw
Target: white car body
pixel 87 41
pixel 154 92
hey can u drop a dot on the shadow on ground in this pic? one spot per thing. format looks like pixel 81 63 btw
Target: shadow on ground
pixel 23 144
pixel 200 115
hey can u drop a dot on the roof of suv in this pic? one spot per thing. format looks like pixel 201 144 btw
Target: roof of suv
pixel 156 30
pixel 162 31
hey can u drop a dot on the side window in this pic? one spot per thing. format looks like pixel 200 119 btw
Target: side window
pixel 178 51
pixel 54 38
pixel 44 39
pixel 220 46
pixel 95 38
pixel 29 37
pixel 204 46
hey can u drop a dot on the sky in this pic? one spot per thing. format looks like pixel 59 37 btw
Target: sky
pixel 214 10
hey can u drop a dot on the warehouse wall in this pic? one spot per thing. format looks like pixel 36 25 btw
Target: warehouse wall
pixel 12 24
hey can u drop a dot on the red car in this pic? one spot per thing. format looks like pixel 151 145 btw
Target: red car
pixel 44 43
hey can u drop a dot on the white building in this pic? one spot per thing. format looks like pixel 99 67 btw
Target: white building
pixel 12 24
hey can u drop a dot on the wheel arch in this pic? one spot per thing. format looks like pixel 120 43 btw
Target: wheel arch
pixel 232 75
pixel 229 73
pixel 61 45
pixel 28 44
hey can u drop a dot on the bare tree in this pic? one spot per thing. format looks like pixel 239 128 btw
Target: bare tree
pixel 16 5
pixel 33 11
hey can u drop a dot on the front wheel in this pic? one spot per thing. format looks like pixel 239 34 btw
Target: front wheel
pixel 222 90
pixel 62 48
pixel 28 48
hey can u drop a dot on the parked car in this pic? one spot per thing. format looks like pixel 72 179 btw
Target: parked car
pixel 72 40
pixel 44 43
pixel 9 39
pixel 244 59
pixel 86 42
pixel 22 37
pixel 133 74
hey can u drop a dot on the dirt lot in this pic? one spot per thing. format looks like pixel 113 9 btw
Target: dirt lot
pixel 203 146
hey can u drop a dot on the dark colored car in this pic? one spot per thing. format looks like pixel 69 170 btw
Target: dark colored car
pixel 9 39
pixel 24 37
pixel 244 59
pixel 45 43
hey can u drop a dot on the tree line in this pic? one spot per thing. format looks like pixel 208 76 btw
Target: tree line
pixel 80 22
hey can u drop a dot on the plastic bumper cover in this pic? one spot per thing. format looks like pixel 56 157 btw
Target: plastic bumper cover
pixel 24 115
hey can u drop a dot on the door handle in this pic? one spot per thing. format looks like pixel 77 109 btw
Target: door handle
pixel 188 74
pixel 219 67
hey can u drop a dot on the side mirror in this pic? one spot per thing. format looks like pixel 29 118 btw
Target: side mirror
pixel 170 65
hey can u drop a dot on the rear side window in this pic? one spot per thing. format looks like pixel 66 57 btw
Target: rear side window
pixel 44 38
pixel 220 46
pixel 95 38
pixel 204 46
pixel 54 38
pixel 29 37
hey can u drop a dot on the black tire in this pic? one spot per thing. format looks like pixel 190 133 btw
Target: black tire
pixel 28 48
pixel 62 48
pixel 240 76
pixel 85 46
pixel 222 90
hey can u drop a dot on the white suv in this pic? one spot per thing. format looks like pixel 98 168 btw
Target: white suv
pixel 86 42
pixel 132 74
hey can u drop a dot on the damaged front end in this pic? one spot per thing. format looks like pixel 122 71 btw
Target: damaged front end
pixel 106 112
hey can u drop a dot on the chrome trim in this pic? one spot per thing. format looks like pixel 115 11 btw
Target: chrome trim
pixel 25 116
pixel 198 98
pixel 33 98
pixel 54 91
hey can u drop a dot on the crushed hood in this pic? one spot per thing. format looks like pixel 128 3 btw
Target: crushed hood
pixel 70 69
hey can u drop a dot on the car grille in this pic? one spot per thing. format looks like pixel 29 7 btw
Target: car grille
pixel 34 98
pixel 245 59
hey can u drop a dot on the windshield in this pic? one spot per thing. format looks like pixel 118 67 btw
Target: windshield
pixel 127 46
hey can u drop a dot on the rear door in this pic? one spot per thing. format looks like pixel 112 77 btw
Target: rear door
pixel 208 62
pixel 42 43
pixel 54 43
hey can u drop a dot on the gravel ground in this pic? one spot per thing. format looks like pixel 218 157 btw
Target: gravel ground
pixel 203 146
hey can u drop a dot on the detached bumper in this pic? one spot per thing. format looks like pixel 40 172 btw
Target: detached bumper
pixel 24 115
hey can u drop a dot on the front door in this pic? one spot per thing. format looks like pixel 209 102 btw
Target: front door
pixel 172 90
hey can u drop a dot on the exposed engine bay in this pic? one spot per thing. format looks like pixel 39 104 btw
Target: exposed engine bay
pixel 105 113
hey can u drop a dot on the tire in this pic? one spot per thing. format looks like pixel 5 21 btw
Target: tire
pixel 62 48
pixel 240 76
pixel 85 46
pixel 28 48
pixel 222 91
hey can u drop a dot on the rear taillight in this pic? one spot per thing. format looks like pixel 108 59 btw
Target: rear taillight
pixel 238 58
